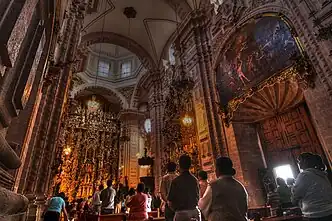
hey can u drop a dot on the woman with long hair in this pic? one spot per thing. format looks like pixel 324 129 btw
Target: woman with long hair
pixel 55 206
pixel 312 190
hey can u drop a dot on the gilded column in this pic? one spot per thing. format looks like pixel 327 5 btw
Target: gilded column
pixel 156 115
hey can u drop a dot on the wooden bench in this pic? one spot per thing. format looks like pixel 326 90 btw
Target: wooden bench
pixel 153 214
pixel 109 217
pixel 284 218
pixel 157 219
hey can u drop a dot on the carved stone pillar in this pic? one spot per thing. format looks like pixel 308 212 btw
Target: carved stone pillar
pixel 156 115
pixel 130 148
pixel 200 27
pixel 55 90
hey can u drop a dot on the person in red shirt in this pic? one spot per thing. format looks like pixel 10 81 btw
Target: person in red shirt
pixel 138 204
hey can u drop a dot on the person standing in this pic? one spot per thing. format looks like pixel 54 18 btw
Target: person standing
pixel 225 198
pixel 55 206
pixel 149 202
pixel 96 202
pixel 138 204
pixel 184 193
pixel 165 186
pixel 273 199
pixel 284 193
pixel 203 182
pixel 107 199
pixel 312 190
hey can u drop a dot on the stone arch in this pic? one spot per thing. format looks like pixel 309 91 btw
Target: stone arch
pixel 143 83
pixel 123 101
pixel 123 41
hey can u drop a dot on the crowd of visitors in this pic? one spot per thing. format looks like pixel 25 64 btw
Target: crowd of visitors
pixel 183 197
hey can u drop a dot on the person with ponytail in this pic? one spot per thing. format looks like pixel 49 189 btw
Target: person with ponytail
pixel 225 198
pixel 312 190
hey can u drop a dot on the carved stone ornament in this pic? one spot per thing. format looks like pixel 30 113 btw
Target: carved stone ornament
pixel 301 72
pixel 230 11
pixel 257 3
pixel 325 33
pixel 127 92
pixel 77 81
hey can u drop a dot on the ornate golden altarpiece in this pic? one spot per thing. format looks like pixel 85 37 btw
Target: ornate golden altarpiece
pixel 179 120
pixel 90 143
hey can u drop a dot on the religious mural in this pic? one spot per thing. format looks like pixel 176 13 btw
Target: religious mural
pixel 260 49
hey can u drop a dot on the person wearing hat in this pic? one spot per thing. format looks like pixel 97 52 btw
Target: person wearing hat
pixel 225 198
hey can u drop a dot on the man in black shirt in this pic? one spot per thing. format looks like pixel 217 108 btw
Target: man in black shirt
pixel 184 193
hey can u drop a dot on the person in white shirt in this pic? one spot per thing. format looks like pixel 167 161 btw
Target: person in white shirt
pixel 149 202
pixel 107 199
pixel 165 186
pixel 225 198
pixel 96 202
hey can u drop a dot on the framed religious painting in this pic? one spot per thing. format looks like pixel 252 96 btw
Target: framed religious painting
pixel 262 48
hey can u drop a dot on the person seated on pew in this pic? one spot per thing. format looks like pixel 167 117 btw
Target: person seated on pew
pixel 138 204
pixel 131 193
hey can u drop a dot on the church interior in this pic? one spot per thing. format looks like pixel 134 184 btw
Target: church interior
pixel 97 90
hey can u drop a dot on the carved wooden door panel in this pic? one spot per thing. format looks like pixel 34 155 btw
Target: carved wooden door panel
pixel 287 135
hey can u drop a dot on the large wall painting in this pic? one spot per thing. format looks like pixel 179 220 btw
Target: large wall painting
pixel 260 49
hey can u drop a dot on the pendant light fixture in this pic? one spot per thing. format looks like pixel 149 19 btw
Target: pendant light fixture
pixel 102 39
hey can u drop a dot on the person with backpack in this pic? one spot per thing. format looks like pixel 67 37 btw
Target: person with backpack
pixel 107 199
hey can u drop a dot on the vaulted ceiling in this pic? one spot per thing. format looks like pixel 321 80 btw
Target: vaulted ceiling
pixel 152 27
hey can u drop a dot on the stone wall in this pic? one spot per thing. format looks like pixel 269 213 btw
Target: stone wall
pixel 251 161
pixel 26 38
pixel 242 142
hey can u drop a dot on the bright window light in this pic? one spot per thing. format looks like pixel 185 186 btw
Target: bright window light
pixel 284 171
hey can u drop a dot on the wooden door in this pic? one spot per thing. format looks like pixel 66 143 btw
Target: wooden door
pixel 287 135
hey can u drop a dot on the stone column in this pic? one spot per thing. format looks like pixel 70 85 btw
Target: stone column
pixel 130 148
pixel 156 115
pixel 55 90
pixel 200 27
